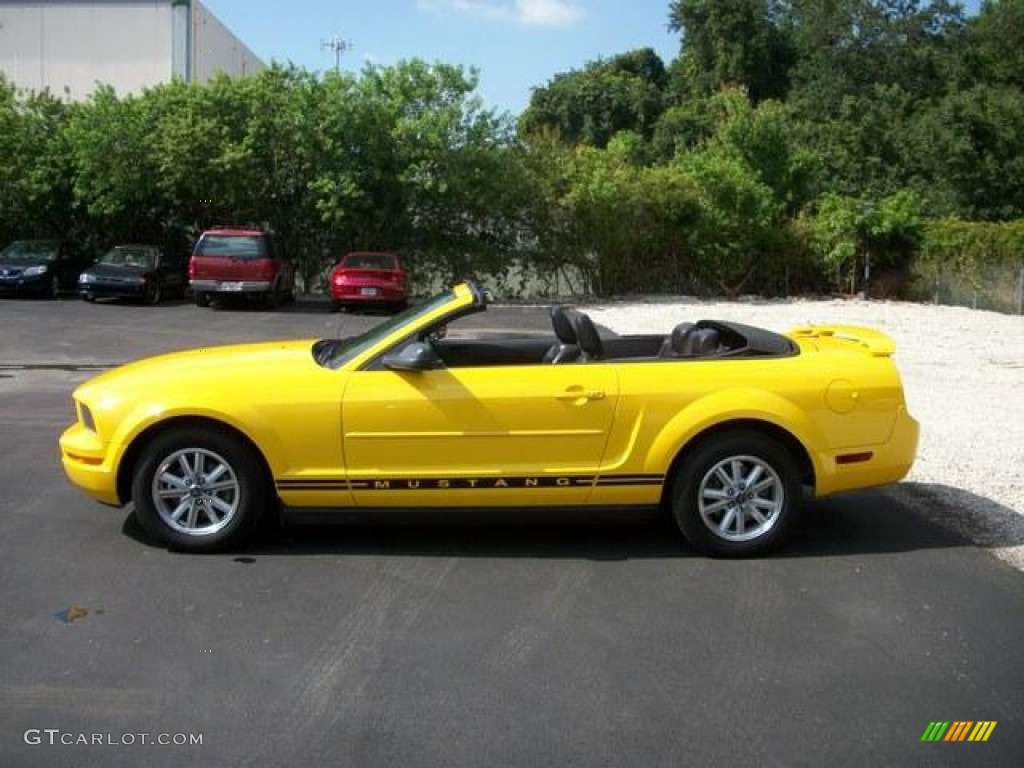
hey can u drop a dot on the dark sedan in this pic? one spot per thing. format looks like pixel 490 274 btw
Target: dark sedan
pixel 38 268
pixel 140 272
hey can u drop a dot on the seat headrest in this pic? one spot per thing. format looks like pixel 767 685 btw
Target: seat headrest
pixel 563 325
pixel 678 335
pixel 589 339
pixel 701 341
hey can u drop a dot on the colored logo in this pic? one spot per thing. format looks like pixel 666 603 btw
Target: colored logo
pixel 959 730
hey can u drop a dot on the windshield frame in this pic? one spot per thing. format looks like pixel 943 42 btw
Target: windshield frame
pixel 345 350
pixel 362 351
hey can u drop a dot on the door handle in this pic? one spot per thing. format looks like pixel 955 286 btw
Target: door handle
pixel 578 393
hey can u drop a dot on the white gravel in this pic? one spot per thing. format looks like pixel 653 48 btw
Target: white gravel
pixel 963 372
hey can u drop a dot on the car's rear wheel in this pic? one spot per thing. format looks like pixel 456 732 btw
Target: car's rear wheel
pixel 153 294
pixel 736 494
pixel 202 299
pixel 54 289
pixel 199 490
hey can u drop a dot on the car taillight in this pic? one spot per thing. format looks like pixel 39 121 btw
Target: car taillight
pixel 191 269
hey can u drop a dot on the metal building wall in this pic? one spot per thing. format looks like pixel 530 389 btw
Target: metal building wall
pixel 69 46
pixel 215 49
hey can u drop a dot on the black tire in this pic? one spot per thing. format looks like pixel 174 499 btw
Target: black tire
pixel 89 298
pixel 335 306
pixel 54 288
pixel 202 299
pixel 153 294
pixel 220 512
pixel 714 505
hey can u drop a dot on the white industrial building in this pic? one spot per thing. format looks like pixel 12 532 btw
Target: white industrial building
pixel 68 46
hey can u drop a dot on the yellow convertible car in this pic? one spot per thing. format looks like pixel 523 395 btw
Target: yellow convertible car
pixel 724 426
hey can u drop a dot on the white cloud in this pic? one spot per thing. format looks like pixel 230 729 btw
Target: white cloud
pixel 535 13
pixel 547 13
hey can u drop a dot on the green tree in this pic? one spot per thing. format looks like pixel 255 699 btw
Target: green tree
pixel 847 231
pixel 732 42
pixel 997 41
pixel 738 234
pixel 846 48
pixel 970 146
pixel 35 168
pixel 624 93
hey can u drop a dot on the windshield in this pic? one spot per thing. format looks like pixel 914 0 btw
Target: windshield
pixel 129 257
pixel 334 353
pixel 233 246
pixel 29 250
pixel 369 261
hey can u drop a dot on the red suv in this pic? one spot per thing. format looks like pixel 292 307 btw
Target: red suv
pixel 369 278
pixel 235 261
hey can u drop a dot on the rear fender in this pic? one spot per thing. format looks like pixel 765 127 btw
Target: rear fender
pixel 732 405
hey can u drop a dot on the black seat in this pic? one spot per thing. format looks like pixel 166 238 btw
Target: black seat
pixel 591 347
pixel 694 342
pixel 674 340
pixel 564 350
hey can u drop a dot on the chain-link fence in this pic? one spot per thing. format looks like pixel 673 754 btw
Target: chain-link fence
pixel 999 288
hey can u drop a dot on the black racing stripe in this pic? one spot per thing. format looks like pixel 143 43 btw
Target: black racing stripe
pixel 628 480
pixel 465 483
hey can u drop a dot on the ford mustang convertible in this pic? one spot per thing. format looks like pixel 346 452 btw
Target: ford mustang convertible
pixel 725 427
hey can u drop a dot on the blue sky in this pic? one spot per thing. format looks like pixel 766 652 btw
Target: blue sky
pixel 515 44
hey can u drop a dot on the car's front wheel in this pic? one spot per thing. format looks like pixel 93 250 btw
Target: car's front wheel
pixel 736 494
pixel 198 489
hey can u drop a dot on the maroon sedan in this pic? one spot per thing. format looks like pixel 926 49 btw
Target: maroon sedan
pixel 369 278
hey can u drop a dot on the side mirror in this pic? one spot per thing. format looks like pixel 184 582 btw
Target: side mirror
pixel 416 356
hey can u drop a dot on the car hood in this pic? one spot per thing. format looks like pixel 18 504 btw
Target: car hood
pixel 112 270
pixel 237 366
pixel 21 264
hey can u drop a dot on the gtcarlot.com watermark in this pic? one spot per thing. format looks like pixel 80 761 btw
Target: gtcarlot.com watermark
pixel 55 737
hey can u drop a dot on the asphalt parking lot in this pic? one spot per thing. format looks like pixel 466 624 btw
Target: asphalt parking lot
pixel 457 645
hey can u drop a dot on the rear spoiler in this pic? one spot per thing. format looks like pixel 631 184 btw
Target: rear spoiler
pixel 875 342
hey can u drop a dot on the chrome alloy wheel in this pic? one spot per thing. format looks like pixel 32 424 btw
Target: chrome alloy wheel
pixel 195 491
pixel 741 498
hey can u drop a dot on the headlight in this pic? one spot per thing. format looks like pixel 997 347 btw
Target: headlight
pixel 38 270
pixel 85 277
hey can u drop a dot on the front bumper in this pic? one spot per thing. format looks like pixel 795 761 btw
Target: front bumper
pixel 887 462
pixel 88 464
pixel 232 287
pixel 36 285
pixel 112 290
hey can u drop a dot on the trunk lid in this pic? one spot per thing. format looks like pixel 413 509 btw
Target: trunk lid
pixel 870 340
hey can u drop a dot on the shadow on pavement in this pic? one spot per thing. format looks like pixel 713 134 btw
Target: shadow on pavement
pixel 880 521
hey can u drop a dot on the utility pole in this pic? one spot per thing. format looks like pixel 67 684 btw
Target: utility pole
pixel 337 45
